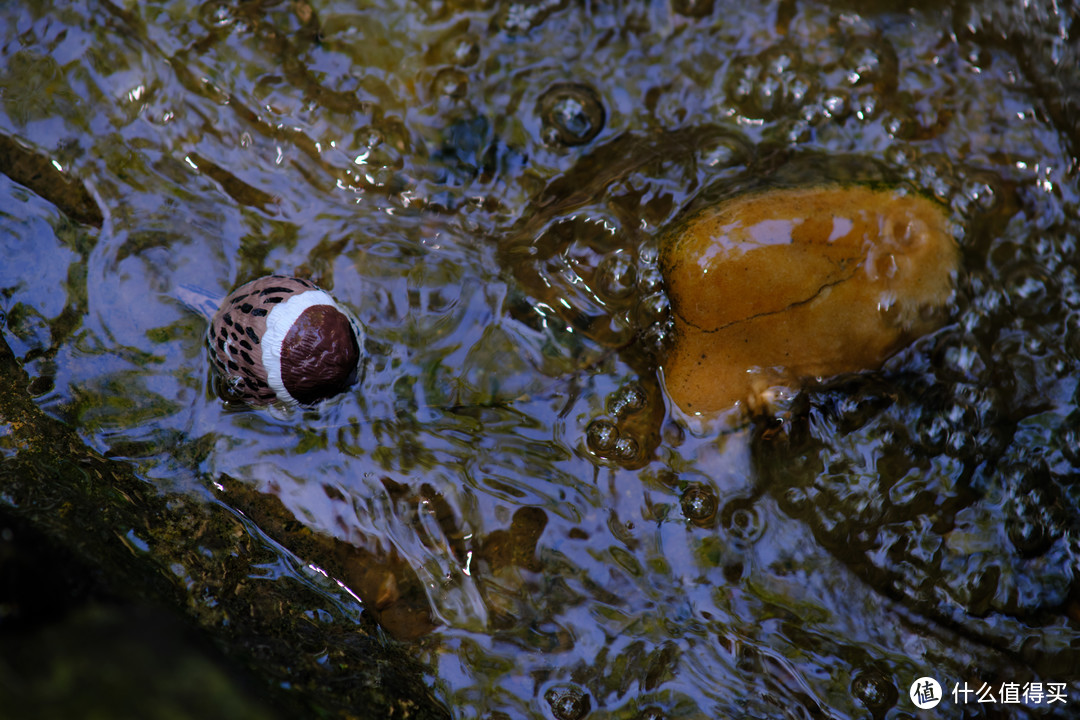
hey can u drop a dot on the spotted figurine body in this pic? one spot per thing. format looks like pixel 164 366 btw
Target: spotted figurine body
pixel 282 339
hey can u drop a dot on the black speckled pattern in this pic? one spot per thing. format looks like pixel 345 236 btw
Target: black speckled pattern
pixel 236 331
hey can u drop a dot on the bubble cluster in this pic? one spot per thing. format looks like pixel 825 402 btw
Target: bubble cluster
pixel 628 430
pixel 956 466
pixel 627 400
pixel 924 474
pixel 605 283
pixel 374 157
pixel 518 18
pixel 770 84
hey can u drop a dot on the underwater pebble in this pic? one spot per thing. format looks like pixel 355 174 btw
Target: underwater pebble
pixel 771 287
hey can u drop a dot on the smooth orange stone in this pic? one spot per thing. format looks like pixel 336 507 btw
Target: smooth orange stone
pixel 774 287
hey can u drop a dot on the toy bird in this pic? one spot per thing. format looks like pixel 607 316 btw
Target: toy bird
pixel 282 339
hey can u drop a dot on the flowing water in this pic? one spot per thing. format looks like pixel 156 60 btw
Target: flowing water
pixel 507 488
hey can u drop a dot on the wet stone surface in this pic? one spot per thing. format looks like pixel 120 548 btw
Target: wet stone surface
pixel 511 490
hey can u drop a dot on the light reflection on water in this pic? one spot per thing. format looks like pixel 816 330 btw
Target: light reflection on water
pixel 489 263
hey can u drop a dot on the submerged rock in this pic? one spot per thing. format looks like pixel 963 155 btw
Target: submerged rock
pixel 773 287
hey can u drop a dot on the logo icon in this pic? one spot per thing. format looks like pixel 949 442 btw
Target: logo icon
pixel 925 693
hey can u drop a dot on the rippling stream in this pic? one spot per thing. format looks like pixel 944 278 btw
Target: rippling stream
pixel 508 490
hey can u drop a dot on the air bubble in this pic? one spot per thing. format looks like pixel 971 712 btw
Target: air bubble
pixel 959 358
pixel 742 519
pixel 651 713
pixel 865 107
pixel 1028 291
pixel 726 150
pixel 627 400
pixel 767 85
pixel 960 415
pixel 835 105
pixel 626 451
pixel 980 195
pixel 1071 336
pixel 616 276
pixel 917 118
pixel 650 280
pixel 572 114
pixel 699 504
pixel 654 308
pixel 1069 284
pixel 871 62
pixel 567 702
pixel 961 444
pixel 518 18
pixel 451 83
pixel 216 14
pixel 1030 529
pixel 370 148
pixel 601 436
pixel 991 441
pixel 874 690
pixel 933 432
pixel 1070 440
pixel 657 335
pixel 464 51
pixel 693 8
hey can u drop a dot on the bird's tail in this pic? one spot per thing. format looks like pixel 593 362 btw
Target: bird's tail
pixel 197 300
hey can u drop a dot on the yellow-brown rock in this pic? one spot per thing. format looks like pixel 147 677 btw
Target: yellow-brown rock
pixel 773 287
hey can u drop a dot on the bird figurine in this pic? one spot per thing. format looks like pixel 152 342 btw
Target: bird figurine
pixel 282 339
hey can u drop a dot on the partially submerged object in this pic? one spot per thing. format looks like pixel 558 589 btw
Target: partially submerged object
pixel 773 287
pixel 282 339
